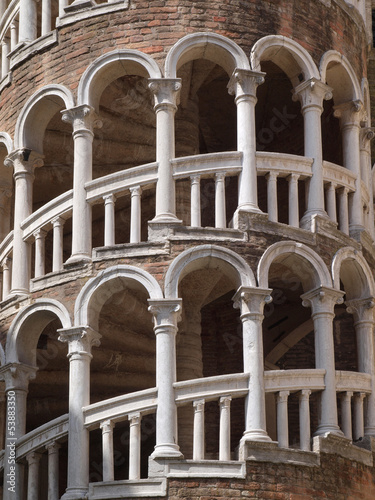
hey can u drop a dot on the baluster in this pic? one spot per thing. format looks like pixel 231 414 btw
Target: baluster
pixel 304 419
pixel 358 416
pixel 272 196
pixel 58 237
pixel 40 247
pixel 33 476
pixel 343 210
pixel 282 419
pixel 135 446
pixel 135 222
pixel 346 414
pixel 109 220
pixel 195 201
pixel 224 439
pixel 198 442
pixel 6 264
pixel 107 443
pixel 331 202
pixel 13 35
pixel 293 200
pixel 220 211
pixel 5 45
pixel 46 16
pixel 53 471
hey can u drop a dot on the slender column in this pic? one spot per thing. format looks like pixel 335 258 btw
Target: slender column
pixel 363 315
pixel 331 201
pixel 46 17
pixel 109 220
pixel 58 239
pixel 272 196
pixel 349 115
pixel 53 471
pixel 293 200
pixel 166 93
pixel 135 446
pixel 346 414
pixel 84 120
pixel 220 210
pixel 243 84
pixel 304 420
pixel 359 430
pixel 282 419
pixel 13 35
pixel 33 476
pixel 62 5
pixel 5 45
pixel 322 301
pixel 135 221
pixel 311 95
pixel 251 302
pixel 199 441
pixel 343 210
pixel 366 135
pixel 224 438
pixel 80 341
pixel 28 21
pixel 195 201
pixel 107 444
pixel 166 315
pixel 6 265
pixel 40 247
pixel 24 161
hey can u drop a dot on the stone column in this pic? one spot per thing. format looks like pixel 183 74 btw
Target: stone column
pixel 331 202
pixel 220 209
pixel 195 201
pixel 13 35
pixel 346 414
pixel 40 240
pixel 322 302
pixel 166 315
pixel 199 432
pixel 46 17
pixel 53 471
pixel 135 446
pixel 80 341
pixel 58 242
pixel 109 220
pixel 5 45
pixel 304 420
pixel 28 21
pixel 363 315
pixel 33 476
pixel 311 95
pixel 23 161
pixel 359 430
pixel 272 196
pixel 349 115
pixel 224 438
pixel 107 445
pixel 243 84
pixel 135 214
pixel 166 92
pixel 366 135
pixel 293 200
pixel 251 303
pixel 343 210
pixel 84 120
pixel 6 264
pixel 282 419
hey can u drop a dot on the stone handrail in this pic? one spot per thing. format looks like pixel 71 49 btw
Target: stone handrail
pixel 207 164
pixel 294 380
pixel 283 164
pixel 338 175
pixel 353 382
pixel 6 246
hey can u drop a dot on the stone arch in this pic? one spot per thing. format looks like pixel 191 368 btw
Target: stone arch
pixel 308 266
pixel 108 68
pixel 37 113
pixel 209 255
pixel 350 267
pixel 211 46
pixel 289 55
pixel 6 140
pixel 337 72
pixel 27 326
pixel 90 301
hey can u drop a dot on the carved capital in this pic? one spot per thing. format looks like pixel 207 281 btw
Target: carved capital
pixel 135 191
pixel 366 134
pixel 361 309
pixel 166 313
pixel 312 93
pixel 17 376
pixel 244 82
pixel 24 162
pixel 80 339
pixel 251 301
pixel 349 113
pixel 322 299
pixel 83 118
pixel 166 91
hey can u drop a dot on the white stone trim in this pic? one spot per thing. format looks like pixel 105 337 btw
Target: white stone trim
pixel 7 141
pixel 363 279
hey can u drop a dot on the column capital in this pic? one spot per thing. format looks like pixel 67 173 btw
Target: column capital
pixel 166 92
pixel 166 313
pixel 251 301
pixel 322 299
pixel 199 405
pixel 80 339
pixel 58 221
pixel 362 309
pixel 83 118
pixel 17 376
pixel 225 401
pixel 366 134
pixel 305 394
pixel 282 396
pixel 135 190
pixel 53 447
pixel 40 233
pixel 24 161
pixel 349 113
pixel 135 418
pixel 312 93
pixel 244 83
pixel 33 457
pixel 109 198
pixel 107 426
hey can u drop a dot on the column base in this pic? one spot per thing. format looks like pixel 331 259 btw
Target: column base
pixel 310 220
pixel 75 494
pixel 256 435
pixel 323 430
pixel 159 230
pixel 78 259
pixel 167 451
pixel 246 220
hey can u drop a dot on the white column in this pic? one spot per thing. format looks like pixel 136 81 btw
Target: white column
pixel 40 247
pixel 135 214
pixel 311 95
pixel 107 444
pixel 13 35
pixel 3 7
pixel 195 201
pixel 62 5
pixel 243 84
pixel 23 161
pixel 220 209
pixel 166 315
pixel 349 115
pixel 80 341
pixel 53 471
pixel 251 303
pixel 109 220
pixel 282 419
pixel 322 301
pixel 293 200
pixel 135 446
pixel 58 240
pixel 84 120
pixel 331 201
pixel 346 414
pixel 224 434
pixel 304 420
pixel 33 476
pixel 343 210
pixel 366 135
pixel 358 426
pixel 5 45
pixel 46 17
pixel 272 196
pixel 6 265
pixel 199 432
pixel 28 21
pixel 166 93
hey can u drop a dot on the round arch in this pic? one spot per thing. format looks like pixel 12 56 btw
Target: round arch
pixel 313 273
pixel 350 267
pixel 289 55
pixel 89 302
pixel 341 77
pixel 37 113
pixel 211 46
pixel 210 255
pixel 6 140
pixel 108 68
pixel 27 326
